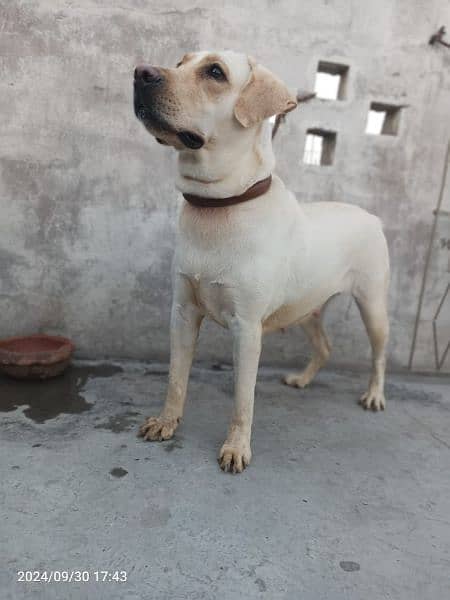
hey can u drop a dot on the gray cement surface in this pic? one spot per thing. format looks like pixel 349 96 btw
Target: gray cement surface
pixel 338 503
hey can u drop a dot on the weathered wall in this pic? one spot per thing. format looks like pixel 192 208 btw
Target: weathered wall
pixel 87 204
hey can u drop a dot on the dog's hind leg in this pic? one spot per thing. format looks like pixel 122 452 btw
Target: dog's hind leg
pixel 373 311
pixel 321 351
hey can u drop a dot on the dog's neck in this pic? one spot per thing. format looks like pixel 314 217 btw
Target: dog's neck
pixel 227 169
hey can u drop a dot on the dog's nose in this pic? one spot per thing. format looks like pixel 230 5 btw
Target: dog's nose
pixel 147 74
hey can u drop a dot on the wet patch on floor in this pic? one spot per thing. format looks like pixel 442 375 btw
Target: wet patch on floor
pixel 261 584
pixel 349 566
pixel 50 398
pixel 221 367
pixel 406 393
pixel 157 371
pixel 121 422
pixel 118 472
pixel 174 443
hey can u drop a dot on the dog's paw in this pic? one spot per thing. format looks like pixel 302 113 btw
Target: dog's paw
pixel 234 458
pixel 373 399
pixel 158 429
pixel 299 380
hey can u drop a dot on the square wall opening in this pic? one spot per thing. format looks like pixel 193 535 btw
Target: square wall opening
pixel 331 81
pixel 319 147
pixel 383 119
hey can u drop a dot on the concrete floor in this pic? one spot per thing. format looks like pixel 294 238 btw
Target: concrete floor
pixel 338 503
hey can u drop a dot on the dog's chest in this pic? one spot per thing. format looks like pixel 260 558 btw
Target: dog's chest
pixel 252 268
pixel 215 291
pixel 221 261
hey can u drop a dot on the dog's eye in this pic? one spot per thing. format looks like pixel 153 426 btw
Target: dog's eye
pixel 216 72
pixel 178 64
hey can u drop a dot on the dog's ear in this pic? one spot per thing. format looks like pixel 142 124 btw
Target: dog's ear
pixel 263 96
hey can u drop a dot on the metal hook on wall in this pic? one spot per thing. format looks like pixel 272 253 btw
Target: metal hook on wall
pixel 437 38
pixel 302 96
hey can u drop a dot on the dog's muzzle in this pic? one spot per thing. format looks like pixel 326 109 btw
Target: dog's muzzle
pixel 148 81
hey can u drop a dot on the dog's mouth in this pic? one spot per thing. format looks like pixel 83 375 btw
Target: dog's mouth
pixel 190 139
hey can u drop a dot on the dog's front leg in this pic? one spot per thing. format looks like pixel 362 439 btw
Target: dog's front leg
pixel 184 326
pixel 235 453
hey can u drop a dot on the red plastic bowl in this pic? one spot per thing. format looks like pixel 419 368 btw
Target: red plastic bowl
pixel 37 356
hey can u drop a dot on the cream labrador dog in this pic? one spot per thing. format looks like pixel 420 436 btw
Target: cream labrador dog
pixel 248 255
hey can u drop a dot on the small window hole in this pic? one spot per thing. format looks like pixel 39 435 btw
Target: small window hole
pixel 331 81
pixel 319 147
pixel 383 119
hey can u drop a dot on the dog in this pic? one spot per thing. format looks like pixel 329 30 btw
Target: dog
pixel 248 254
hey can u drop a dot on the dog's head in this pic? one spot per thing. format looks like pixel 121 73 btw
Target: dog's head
pixel 207 97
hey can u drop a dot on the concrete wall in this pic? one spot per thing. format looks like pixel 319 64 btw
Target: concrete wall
pixel 87 204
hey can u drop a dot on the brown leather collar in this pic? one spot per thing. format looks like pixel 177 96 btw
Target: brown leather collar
pixel 257 189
